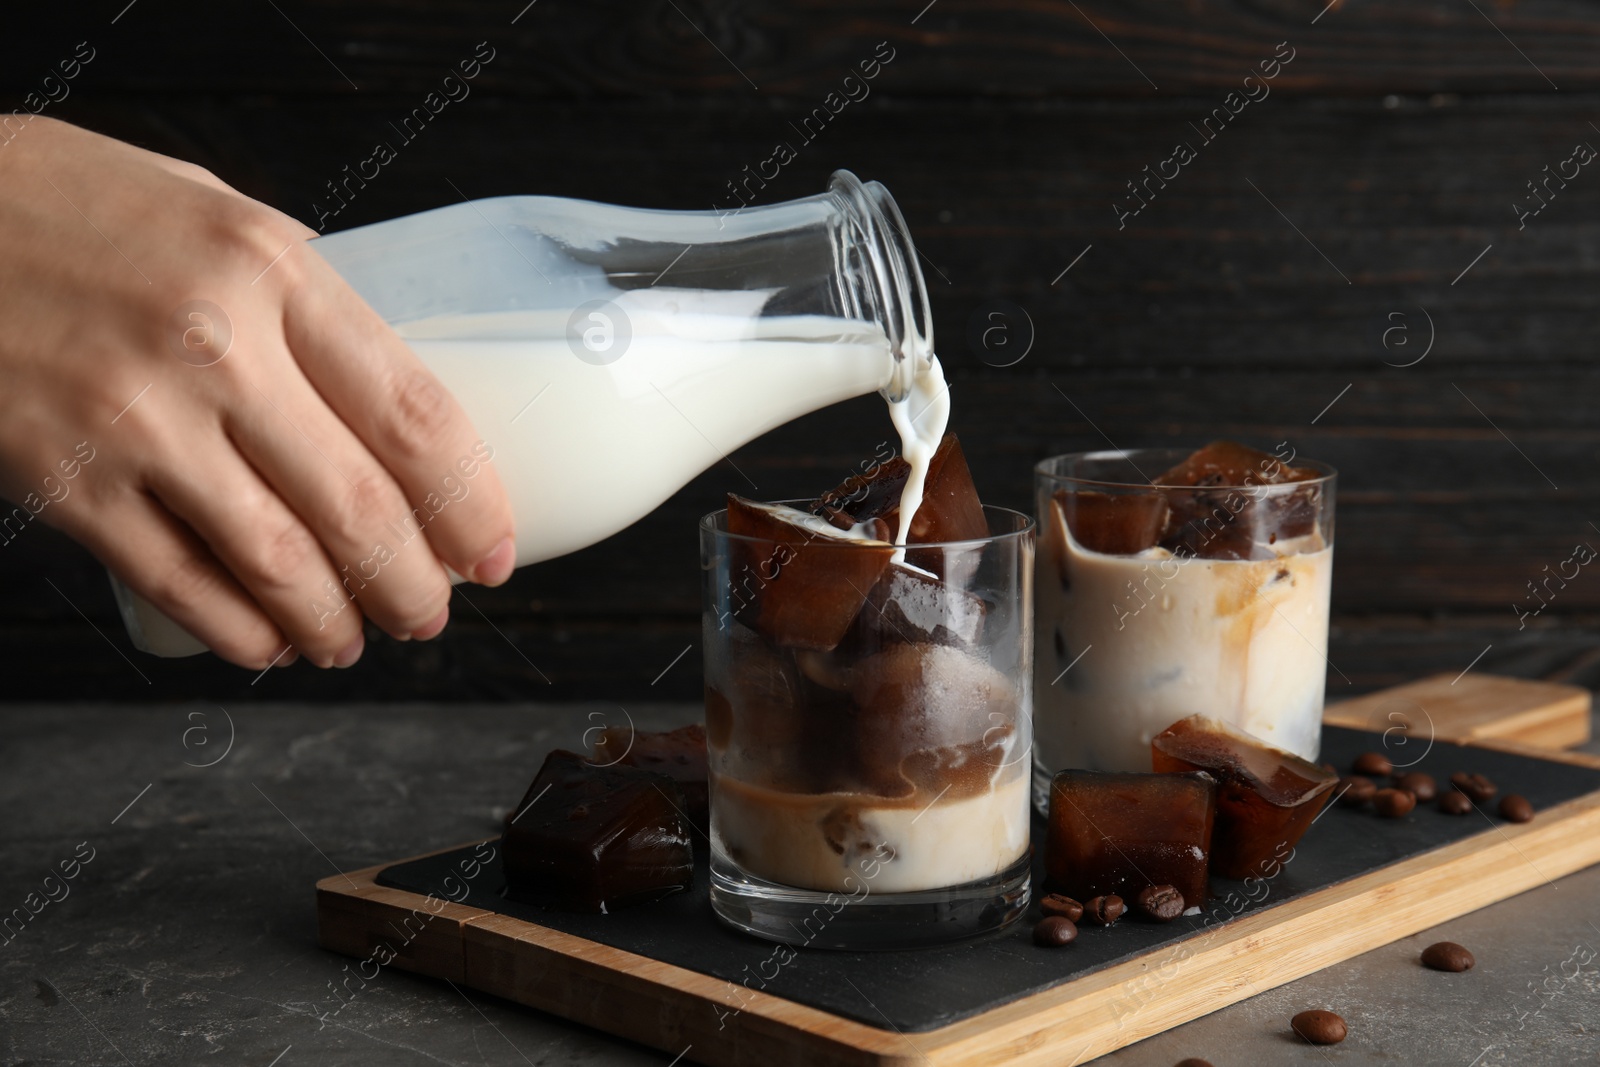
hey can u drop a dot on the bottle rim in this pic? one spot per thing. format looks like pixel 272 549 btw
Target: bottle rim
pixel 899 292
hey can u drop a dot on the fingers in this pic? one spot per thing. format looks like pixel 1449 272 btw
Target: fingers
pixel 346 499
pixel 268 549
pixel 408 421
pixel 159 558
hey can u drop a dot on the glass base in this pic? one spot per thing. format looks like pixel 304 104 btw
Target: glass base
pixel 867 921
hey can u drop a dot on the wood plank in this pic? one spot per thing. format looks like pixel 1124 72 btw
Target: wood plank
pixel 1209 278
pixel 1472 708
pixel 618 643
pixel 620 658
pixel 1472 543
pixel 712 47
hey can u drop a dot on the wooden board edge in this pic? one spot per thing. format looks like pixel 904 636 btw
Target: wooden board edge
pixel 1560 719
pixel 1561 724
pixel 666 1006
pixel 487 951
pixel 386 927
pixel 1123 1004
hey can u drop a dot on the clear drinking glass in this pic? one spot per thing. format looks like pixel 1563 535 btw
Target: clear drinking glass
pixel 1159 602
pixel 868 720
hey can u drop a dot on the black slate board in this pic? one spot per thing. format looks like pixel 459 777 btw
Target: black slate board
pixel 925 989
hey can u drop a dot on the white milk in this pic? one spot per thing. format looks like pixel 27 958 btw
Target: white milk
pixel 920 418
pixel 584 449
pixel 791 838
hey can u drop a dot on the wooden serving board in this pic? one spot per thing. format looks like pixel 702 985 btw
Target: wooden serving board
pixel 617 973
pixel 1472 709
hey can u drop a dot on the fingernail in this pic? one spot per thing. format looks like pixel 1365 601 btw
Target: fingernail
pixel 351 652
pixel 497 566
pixel 432 627
pixel 290 658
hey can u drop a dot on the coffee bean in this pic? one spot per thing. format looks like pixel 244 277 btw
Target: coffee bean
pixel 1163 903
pixel 1354 791
pixel 1103 911
pixel 1515 808
pixel 1454 803
pixel 1193 1061
pixel 1320 1027
pixel 1393 803
pixel 1062 905
pixel 1375 764
pixel 1053 931
pixel 1475 786
pixel 1447 956
pixel 1422 786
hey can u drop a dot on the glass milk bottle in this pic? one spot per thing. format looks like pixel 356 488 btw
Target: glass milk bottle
pixel 609 354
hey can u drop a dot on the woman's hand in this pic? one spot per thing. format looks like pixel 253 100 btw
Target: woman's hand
pixel 251 496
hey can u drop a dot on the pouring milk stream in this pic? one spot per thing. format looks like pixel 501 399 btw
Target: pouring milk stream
pixel 607 355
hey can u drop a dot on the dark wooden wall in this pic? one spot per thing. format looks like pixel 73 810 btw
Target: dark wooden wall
pixel 1251 292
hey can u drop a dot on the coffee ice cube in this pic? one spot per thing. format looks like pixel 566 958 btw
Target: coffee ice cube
pixel 934 719
pixel 1118 524
pixel 680 754
pixel 1208 524
pixel 1117 833
pixel 591 838
pixel 1225 503
pixel 950 509
pixel 756 719
pixel 1230 464
pixel 1241 524
pixel 1266 798
pixel 911 605
pixel 803 582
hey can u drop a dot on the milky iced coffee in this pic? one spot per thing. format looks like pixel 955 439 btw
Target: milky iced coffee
pixel 1172 584
pixel 867 710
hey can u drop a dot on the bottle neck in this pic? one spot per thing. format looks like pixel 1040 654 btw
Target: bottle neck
pixel 879 278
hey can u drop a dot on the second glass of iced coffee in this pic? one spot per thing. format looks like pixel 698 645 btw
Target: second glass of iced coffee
pixel 1170 584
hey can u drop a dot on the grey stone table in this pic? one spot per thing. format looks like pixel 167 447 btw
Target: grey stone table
pixel 188 933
